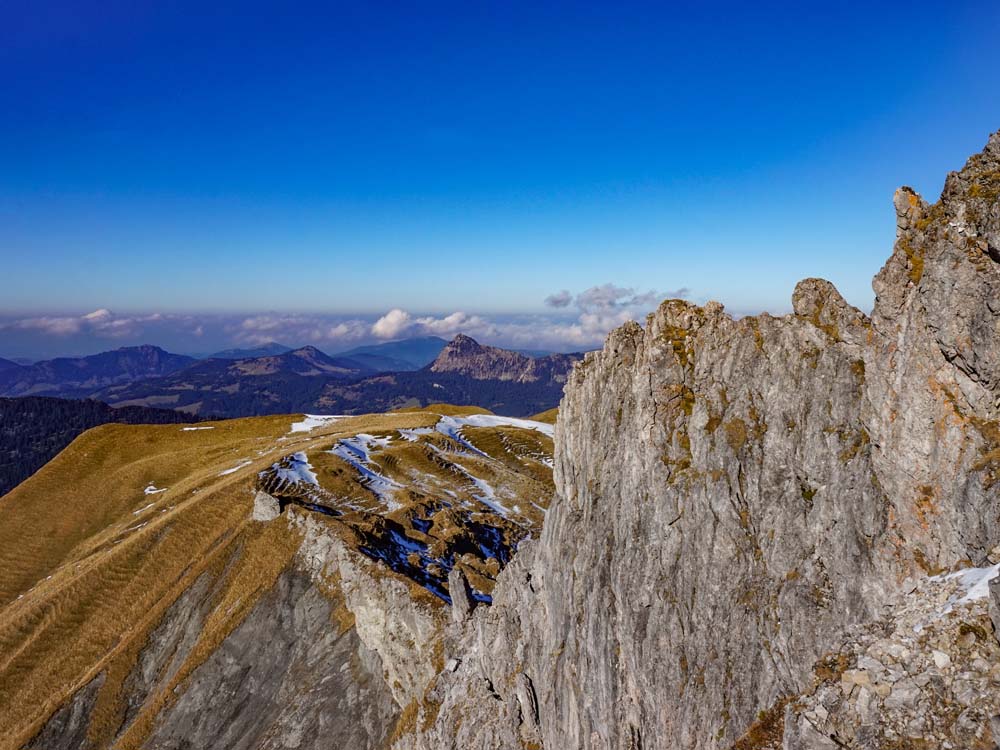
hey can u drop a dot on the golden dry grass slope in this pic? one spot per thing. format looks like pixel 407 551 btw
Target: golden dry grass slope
pixel 99 544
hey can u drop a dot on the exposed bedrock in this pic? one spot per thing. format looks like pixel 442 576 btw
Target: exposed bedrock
pixel 733 495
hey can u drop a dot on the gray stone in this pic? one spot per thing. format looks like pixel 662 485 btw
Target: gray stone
pixel 458 590
pixel 265 507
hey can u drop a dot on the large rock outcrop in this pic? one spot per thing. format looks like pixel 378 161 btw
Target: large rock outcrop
pixel 735 495
pixel 467 356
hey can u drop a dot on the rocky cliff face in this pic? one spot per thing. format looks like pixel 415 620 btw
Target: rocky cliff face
pixel 734 495
pixel 467 356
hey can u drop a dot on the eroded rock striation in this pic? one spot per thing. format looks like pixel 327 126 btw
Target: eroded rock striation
pixel 733 496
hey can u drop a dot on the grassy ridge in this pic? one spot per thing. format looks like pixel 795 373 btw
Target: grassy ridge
pixel 89 562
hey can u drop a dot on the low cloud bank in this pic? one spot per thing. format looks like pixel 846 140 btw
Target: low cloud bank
pixel 577 321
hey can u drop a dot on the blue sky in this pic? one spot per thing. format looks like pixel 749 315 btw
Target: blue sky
pixel 334 162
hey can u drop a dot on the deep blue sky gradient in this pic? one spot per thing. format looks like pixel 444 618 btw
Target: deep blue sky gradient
pixel 354 157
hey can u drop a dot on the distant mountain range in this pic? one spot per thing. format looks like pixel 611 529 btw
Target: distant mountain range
pixel 392 356
pixel 34 429
pixel 414 372
pixel 264 350
pixel 408 354
pixel 78 377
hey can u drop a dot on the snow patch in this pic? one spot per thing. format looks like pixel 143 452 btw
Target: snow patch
pixel 151 490
pixel 412 435
pixel 312 421
pixel 486 495
pixel 240 465
pixel 494 420
pixel 296 468
pixel 452 426
pixel 973 584
pixel 357 452
pixel 193 429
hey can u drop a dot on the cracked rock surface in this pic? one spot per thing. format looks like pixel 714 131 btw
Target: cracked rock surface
pixel 735 495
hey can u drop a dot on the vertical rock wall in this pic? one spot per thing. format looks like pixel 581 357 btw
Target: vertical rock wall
pixel 734 494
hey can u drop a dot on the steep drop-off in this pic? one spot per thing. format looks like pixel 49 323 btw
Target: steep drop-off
pixel 258 583
pixel 734 495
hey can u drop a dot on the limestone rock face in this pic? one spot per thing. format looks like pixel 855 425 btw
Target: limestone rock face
pixel 284 678
pixel 458 588
pixel 265 507
pixel 467 356
pixel 734 495
pixel 927 670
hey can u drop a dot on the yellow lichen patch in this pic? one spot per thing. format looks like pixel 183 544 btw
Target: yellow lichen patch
pixel 767 730
pixel 915 259
pixel 406 723
pixel 989 459
pixel 677 338
pixel 736 433
pixel 831 667
pixel 925 505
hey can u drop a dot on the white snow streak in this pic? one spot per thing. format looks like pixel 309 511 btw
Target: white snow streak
pixel 312 421
pixel 240 465
pixel 357 452
pixel 296 468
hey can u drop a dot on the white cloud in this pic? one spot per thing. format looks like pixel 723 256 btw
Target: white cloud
pixel 397 324
pixel 55 326
pixel 611 297
pixel 579 321
pixel 102 323
pixel 392 325
pixel 99 316
pixel 316 329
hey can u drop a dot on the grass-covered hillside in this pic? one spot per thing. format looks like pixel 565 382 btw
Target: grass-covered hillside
pixel 35 428
pixel 139 543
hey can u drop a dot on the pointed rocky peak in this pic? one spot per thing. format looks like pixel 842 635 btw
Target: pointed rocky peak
pixel 910 207
pixel 943 277
pixel 463 344
pixel 308 352
pixel 465 355
pixel 818 301
pixel 462 351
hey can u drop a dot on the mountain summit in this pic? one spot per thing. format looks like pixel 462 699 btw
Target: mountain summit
pixel 467 356
pixel 306 360
pixel 79 376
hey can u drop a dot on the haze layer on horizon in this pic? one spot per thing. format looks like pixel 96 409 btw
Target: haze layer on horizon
pixel 529 174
